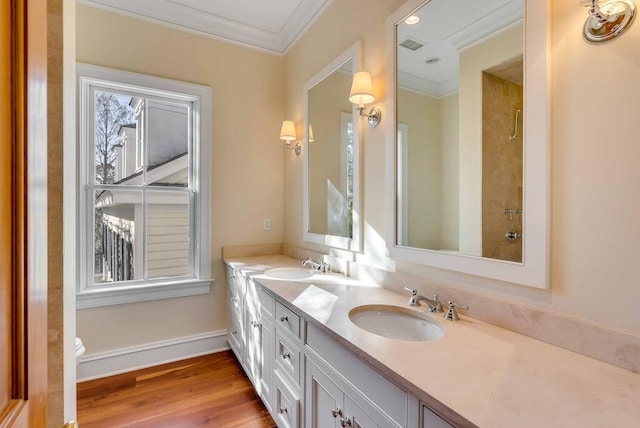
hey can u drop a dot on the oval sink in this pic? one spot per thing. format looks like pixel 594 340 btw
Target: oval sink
pixel 288 273
pixel 396 322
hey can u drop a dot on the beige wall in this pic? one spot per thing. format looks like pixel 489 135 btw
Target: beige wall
pixel 421 114
pixel 449 233
pixel 356 20
pixel 594 161
pixel 246 166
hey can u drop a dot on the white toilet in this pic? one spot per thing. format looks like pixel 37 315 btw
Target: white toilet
pixel 79 350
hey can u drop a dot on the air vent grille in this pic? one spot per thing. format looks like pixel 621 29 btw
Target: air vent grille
pixel 411 44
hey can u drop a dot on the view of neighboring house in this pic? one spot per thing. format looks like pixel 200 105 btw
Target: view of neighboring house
pixel 145 233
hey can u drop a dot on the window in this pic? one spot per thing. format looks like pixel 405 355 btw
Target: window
pixel 143 189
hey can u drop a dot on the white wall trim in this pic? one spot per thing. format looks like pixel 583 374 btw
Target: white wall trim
pixel 103 364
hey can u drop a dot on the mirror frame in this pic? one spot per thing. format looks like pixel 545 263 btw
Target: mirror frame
pixel 353 53
pixel 533 271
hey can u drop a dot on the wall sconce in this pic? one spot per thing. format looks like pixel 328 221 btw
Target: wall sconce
pixel 288 134
pixel 608 20
pixel 361 94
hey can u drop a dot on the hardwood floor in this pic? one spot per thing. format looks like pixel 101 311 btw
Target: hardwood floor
pixel 208 391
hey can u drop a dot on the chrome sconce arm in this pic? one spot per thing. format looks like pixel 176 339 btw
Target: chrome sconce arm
pixel 607 20
pixel 288 134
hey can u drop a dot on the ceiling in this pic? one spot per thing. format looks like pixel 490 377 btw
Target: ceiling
pixel 447 28
pixel 271 26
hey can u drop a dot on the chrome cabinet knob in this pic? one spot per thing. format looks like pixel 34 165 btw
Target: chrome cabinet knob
pixel 285 356
pixel 336 412
pixel 283 409
pixel 284 318
pixel 345 422
pixel 255 324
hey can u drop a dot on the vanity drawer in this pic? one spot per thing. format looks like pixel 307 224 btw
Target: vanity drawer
pixel 287 320
pixel 287 405
pixel 288 359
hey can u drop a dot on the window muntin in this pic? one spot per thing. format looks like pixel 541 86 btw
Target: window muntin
pixel 140 189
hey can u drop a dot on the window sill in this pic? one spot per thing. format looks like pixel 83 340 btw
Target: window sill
pixel 144 293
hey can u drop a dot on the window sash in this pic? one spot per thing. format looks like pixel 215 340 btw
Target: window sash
pixel 199 244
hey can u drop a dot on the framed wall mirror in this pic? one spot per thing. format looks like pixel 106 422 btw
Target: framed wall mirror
pixel 331 134
pixel 468 180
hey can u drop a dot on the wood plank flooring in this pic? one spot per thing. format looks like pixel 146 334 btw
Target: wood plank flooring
pixel 208 391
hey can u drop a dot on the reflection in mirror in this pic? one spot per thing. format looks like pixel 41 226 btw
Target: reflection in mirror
pixel 458 181
pixel 459 142
pixel 331 156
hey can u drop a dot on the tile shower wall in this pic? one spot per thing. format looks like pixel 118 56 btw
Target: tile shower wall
pixel 501 167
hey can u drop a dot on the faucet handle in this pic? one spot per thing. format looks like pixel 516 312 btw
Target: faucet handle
pixel 451 313
pixel 324 267
pixel 413 300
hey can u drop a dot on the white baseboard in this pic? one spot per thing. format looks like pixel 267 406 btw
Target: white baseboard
pixel 99 365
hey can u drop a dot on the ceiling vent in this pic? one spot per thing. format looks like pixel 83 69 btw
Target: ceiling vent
pixel 411 44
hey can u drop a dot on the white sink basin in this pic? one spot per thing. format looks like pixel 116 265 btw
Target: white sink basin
pixel 288 273
pixel 396 322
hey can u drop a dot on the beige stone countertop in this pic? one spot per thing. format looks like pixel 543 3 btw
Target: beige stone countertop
pixel 486 375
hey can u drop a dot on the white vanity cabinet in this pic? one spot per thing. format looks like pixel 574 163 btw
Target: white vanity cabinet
pixel 305 377
pixel 331 401
pixel 336 377
pixel 259 339
pixel 431 420
pixel 235 335
pixel 251 332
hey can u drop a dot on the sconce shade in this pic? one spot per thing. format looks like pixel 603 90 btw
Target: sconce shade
pixel 310 133
pixel 361 89
pixel 288 131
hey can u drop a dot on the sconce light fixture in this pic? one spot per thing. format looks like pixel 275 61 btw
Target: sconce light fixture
pixel 288 134
pixel 361 94
pixel 607 20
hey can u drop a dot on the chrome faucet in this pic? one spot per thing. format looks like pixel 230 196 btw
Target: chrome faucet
pixel 434 304
pixel 322 266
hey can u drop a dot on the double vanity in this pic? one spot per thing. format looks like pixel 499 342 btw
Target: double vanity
pixel 326 350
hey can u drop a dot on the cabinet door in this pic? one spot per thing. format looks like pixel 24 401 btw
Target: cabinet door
pixel 323 399
pixel 252 346
pixel 265 365
pixel 431 420
pixel 253 336
pixel 356 417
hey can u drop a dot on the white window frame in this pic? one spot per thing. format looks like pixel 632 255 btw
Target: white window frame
pixel 88 295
